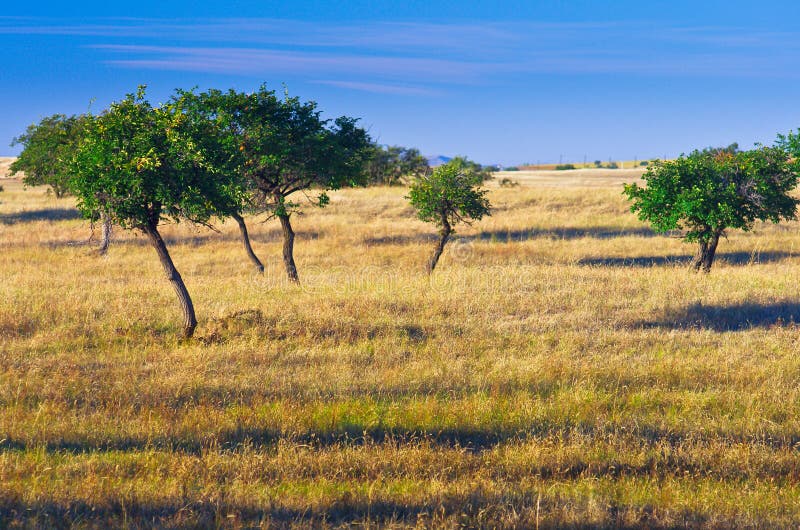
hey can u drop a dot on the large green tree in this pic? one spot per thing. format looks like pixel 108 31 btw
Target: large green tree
pixel 710 191
pixel 449 195
pixel 283 147
pixel 140 164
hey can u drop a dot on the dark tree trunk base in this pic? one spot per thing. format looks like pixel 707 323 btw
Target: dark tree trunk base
pixel 705 254
pixel 106 230
pixel 437 252
pixel 288 249
pixel 174 277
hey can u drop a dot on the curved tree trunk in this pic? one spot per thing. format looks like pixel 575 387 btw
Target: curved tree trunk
pixel 106 224
pixel 697 261
pixel 174 277
pixel 444 234
pixel 712 251
pixel 246 240
pixel 705 253
pixel 288 249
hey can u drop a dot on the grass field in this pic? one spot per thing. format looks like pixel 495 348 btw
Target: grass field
pixel 621 164
pixel 560 369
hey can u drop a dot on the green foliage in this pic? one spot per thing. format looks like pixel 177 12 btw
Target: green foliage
pixel 715 189
pixel 47 148
pixel 563 167
pixel 450 194
pixel 282 146
pixel 392 164
pixel 790 143
pixel 140 165
pixel 204 121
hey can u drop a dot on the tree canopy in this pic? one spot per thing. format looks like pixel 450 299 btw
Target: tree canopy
pixel 285 146
pixel 710 191
pixel 47 149
pixel 140 164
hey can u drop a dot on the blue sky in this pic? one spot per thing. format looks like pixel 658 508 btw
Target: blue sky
pixel 501 83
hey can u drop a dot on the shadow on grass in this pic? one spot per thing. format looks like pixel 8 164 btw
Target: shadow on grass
pixel 32 216
pixel 595 232
pixel 730 318
pixel 470 439
pixel 124 237
pixel 515 236
pixel 474 508
pixel 354 434
pixel 729 258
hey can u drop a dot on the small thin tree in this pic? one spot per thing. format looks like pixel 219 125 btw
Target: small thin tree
pixel 140 164
pixel 711 191
pixel 449 195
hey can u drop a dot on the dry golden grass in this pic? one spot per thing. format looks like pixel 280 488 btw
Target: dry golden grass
pixel 573 178
pixel 621 164
pixel 5 162
pixel 561 368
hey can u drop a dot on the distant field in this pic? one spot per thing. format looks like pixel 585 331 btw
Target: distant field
pixel 623 164
pixel 560 369
pixel 5 161
pixel 573 177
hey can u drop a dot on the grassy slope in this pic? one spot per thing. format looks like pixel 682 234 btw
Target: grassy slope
pixel 561 367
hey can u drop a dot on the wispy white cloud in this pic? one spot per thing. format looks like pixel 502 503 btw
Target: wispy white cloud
pixel 379 88
pixel 424 71
pixel 257 61
pixel 386 35
pixel 395 58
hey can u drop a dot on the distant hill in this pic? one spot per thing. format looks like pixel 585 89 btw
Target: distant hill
pixel 434 161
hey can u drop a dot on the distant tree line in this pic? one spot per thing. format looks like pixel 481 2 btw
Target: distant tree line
pixel 393 165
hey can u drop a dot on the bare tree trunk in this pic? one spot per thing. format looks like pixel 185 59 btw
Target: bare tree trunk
pixel 712 250
pixel 174 277
pixel 106 223
pixel 288 248
pixel 705 253
pixel 444 234
pixel 246 241
pixel 702 250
